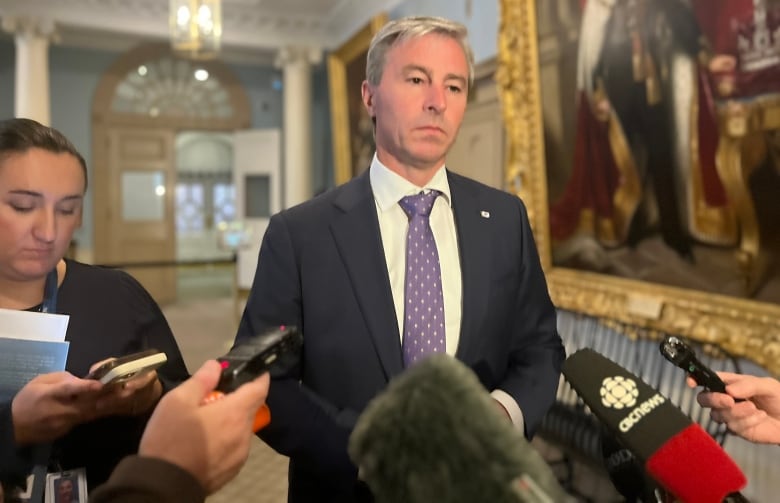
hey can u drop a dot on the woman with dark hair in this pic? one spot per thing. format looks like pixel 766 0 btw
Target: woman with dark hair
pixel 61 419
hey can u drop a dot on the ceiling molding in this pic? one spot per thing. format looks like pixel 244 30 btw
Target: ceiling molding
pixel 253 30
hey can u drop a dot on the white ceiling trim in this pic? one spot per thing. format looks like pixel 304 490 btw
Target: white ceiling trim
pixel 249 26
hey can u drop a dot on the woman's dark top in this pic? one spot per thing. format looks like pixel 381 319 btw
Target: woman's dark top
pixel 111 314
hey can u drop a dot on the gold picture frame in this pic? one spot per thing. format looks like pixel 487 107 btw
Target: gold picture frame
pixel 350 125
pixel 745 328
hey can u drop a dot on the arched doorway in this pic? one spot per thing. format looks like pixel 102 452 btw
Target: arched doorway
pixel 142 101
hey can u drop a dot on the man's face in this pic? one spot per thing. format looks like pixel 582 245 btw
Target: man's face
pixel 65 491
pixel 419 102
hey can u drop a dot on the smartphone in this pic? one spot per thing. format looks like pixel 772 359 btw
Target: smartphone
pixel 126 367
pixel 682 355
pixel 278 346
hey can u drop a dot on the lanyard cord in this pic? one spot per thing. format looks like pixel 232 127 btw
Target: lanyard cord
pixel 42 452
pixel 49 304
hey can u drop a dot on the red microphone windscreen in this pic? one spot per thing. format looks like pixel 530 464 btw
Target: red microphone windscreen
pixel 693 467
pixel 676 452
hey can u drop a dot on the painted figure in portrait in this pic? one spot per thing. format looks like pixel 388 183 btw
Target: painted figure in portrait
pixel 643 190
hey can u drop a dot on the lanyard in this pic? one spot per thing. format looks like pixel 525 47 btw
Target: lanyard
pixel 43 451
pixel 49 304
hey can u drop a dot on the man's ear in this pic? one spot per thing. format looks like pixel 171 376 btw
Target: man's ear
pixel 367 93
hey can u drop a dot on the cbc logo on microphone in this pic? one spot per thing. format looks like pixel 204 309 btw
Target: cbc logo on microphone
pixel 618 392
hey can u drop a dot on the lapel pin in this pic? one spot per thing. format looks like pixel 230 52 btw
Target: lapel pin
pixel 485 214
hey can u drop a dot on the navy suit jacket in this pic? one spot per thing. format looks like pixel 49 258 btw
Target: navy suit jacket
pixel 322 267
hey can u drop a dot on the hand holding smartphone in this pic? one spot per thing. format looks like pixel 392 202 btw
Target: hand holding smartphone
pixel 126 367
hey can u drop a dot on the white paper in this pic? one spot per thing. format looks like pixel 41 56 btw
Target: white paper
pixel 33 326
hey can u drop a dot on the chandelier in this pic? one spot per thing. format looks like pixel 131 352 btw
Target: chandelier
pixel 196 27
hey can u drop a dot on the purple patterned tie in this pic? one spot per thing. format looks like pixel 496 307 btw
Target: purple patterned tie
pixel 423 298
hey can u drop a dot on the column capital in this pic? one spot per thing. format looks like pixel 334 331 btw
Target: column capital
pixel 296 54
pixel 30 26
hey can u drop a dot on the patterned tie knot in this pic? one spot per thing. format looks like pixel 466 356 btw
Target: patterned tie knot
pixel 419 204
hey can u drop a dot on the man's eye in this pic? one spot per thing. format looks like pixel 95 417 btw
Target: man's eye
pixel 455 89
pixel 415 80
pixel 21 209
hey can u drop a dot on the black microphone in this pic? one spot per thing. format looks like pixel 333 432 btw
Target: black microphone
pixel 682 355
pixel 435 434
pixel 674 450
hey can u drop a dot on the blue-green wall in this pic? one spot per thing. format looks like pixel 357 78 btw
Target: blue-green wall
pixel 265 101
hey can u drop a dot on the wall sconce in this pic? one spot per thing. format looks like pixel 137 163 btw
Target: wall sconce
pixel 196 27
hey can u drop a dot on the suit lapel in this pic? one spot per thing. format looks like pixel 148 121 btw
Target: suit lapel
pixel 358 239
pixel 473 232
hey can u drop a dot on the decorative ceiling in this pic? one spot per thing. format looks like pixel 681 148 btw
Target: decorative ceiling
pixel 252 29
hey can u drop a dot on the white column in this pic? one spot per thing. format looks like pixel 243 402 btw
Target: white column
pixel 32 36
pixel 296 65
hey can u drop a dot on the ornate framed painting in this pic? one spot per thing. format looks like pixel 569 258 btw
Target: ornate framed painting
pixel 648 170
pixel 352 129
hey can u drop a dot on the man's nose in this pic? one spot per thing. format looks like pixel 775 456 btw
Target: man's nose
pixel 435 99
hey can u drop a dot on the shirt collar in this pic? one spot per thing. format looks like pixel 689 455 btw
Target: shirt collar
pixel 389 187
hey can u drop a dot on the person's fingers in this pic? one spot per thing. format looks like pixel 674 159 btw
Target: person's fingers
pixel 101 362
pixel 714 400
pixel 717 415
pixel 53 377
pixel 691 382
pixel 729 377
pixel 740 425
pixel 71 386
pixel 140 381
pixel 735 412
pixel 202 382
pixel 252 394
pixel 704 398
pixel 752 386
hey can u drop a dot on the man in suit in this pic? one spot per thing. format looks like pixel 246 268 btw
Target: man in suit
pixel 336 267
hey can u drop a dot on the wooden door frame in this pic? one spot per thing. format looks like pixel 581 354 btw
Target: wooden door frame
pixel 103 119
